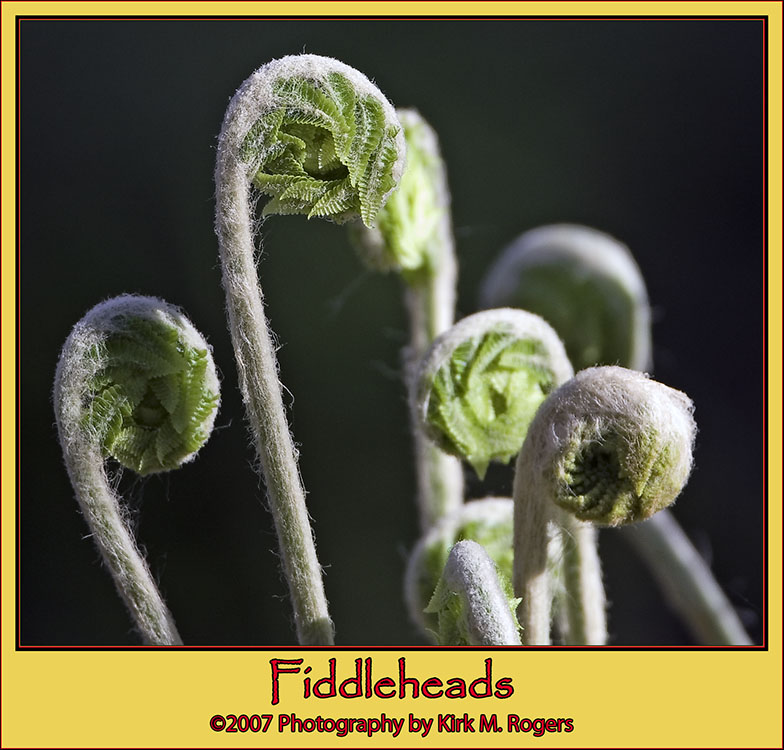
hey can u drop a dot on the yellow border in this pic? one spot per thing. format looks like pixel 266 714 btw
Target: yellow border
pixel 402 8
pixel 693 699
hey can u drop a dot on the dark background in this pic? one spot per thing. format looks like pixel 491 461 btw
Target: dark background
pixel 650 130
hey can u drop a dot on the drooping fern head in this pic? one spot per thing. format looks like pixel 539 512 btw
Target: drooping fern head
pixel 482 381
pixel 149 389
pixel 612 446
pixel 318 138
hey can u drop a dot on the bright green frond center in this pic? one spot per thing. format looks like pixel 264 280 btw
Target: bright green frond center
pixel 607 480
pixel 483 399
pixel 325 151
pixel 150 405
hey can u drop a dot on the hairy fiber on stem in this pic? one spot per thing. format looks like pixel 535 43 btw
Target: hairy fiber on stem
pixel 321 140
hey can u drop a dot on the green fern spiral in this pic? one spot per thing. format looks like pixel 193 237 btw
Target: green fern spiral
pixel 483 380
pixel 150 391
pixel 327 142
pixel 612 446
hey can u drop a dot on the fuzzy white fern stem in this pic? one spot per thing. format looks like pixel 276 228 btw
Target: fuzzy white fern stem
pixel 430 304
pixel 321 140
pixel 537 544
pixel 261 389
pixel 687 581
pixel 584 598
pixel 133 580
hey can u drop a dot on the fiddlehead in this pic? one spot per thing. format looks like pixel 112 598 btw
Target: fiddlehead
pixel 135 382
pixel 322 140
pixel 487 522
pixel 482 381
pixel 588 286
pixel 612 446
pixel 609 446
pixel 153 397
pixel 317 137
pixel 584 283
pixel 473 605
